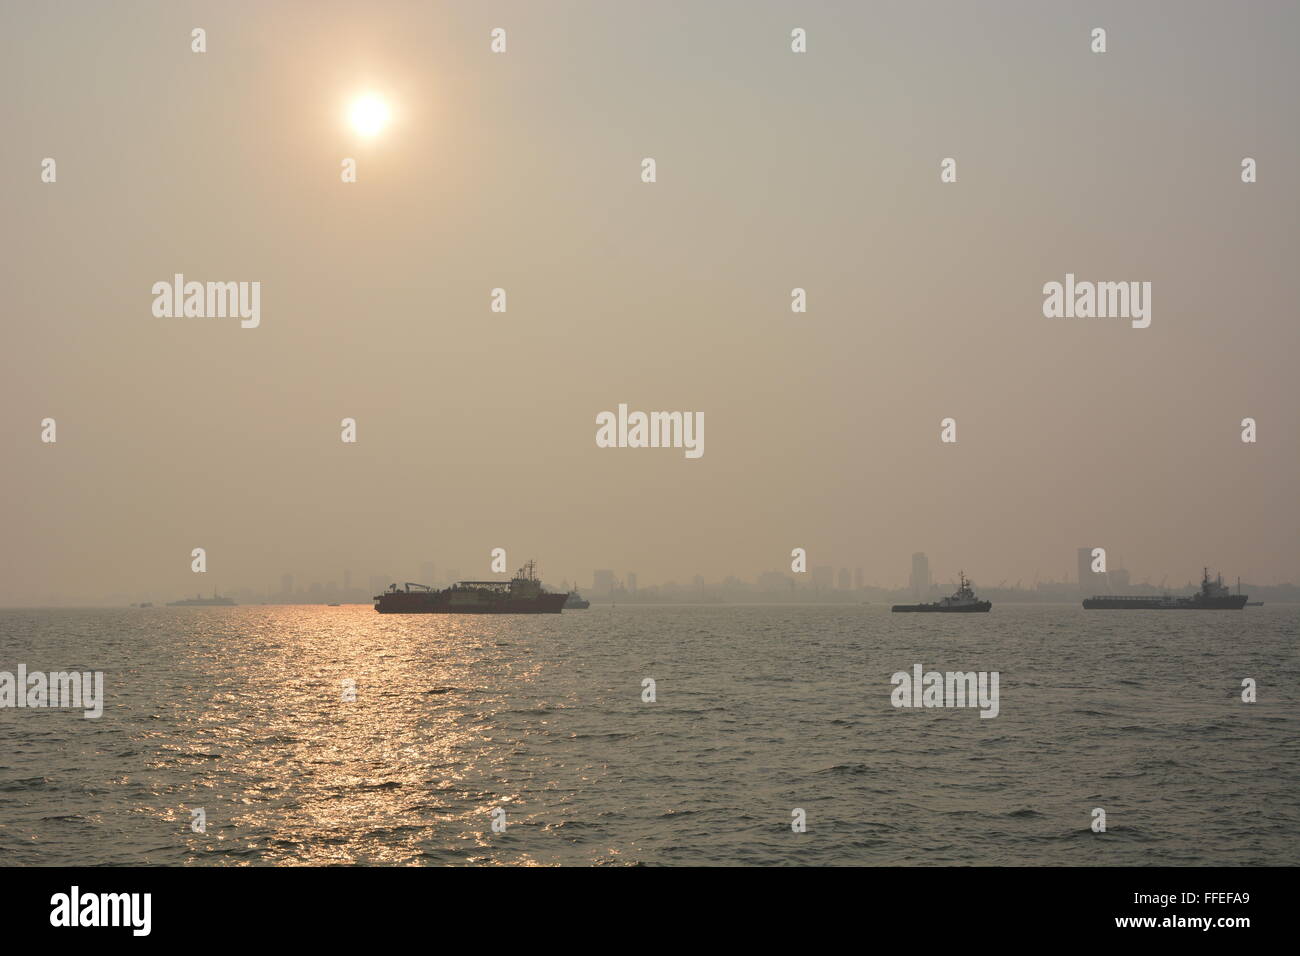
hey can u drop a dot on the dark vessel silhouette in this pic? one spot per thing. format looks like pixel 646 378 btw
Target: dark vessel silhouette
pixel 523 594
pixel 1213 596
pixel 963 600
pixel 199 601
pixel 576 602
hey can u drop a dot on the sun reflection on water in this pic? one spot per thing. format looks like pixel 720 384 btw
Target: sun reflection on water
pixel 410 764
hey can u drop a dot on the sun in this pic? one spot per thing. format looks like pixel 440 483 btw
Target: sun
pixel 369 115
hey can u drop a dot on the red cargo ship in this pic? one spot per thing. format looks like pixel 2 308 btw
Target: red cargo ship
pixel 523 594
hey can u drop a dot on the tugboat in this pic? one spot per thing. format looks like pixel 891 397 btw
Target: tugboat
pixel 523 594
pixel 963 600
pixel 576 602
pixel 1213 596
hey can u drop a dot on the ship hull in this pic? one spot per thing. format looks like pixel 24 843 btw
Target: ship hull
pixel 420 602
pixel 1232 602
pixel 977 608
pixel 1127 604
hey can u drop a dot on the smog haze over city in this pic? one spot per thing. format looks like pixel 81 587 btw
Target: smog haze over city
pixel 475 429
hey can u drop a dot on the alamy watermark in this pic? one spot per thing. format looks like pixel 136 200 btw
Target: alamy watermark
pixel 923 688
pixel 60 689
pixel 1102 300
pixel 211 300
pixel 651 430
pixel 103 909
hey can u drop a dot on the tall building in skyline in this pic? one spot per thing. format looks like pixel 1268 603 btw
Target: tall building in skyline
pixel 631 582
pixel 602 581
pixel 919 581
pixel 1087 577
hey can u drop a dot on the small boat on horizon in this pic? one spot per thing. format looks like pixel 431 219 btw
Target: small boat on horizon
pixel 200 601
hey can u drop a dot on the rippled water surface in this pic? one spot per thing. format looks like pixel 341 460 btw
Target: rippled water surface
pixel 759 710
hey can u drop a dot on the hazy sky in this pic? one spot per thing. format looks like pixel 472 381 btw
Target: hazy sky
pixel 522 170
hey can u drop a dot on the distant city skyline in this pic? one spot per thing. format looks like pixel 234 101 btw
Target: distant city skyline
pixel 821 579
